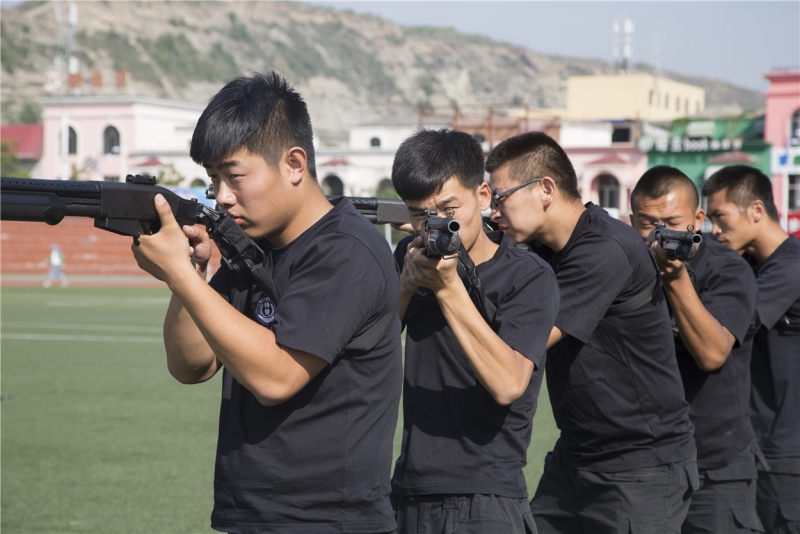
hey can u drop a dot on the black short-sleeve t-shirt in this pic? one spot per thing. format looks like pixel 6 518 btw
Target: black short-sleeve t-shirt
pixel 456 438
pixel 321 461
pixel 614 383
pixel 719 401
pixel 775 366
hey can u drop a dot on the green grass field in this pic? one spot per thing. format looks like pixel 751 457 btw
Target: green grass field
pixel 96 436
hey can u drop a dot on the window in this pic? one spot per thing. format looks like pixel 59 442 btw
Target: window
pixel 677 103
pixel 73 141
pixel 621 134
pixel 794 192
pixel 666 101
pixel 608 191
pixel 110 140
pixel 332 185
pixel 375 142
pixel 386 189
pixel 650 100
pixel 794 137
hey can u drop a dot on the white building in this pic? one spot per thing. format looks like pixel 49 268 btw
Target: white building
pixel 115 135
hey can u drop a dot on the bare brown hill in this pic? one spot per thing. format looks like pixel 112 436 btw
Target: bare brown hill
pixel 350 68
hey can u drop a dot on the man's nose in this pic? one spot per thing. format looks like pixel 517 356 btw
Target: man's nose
pixel 224 195
pixel 495 214
pixel 715 230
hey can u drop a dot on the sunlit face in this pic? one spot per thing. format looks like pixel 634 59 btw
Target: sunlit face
pixel 519 214
pixel 251 190
pixel 733 227
pixel 455 200
pixel 675 209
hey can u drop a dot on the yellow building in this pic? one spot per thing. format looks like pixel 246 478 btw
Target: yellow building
pixel 632 96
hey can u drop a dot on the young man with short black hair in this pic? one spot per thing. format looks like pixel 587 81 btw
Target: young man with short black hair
pixel 742 209
pixel 625 460
pixel 712 299
pixel 472 378
pixel 306 424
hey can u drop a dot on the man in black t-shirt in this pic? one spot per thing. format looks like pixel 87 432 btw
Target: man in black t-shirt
pixel 741 206
pixel 306 423
pixel 712 301
pixel 625 460
pixel 471 377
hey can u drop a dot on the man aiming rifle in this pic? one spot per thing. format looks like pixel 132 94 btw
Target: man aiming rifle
pixel 478 312
pixel 712 297
pixel 311 362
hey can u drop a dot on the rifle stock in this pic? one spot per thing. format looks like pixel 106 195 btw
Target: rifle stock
pixel 127 208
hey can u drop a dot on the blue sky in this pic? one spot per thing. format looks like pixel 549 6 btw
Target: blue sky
pixel 736 42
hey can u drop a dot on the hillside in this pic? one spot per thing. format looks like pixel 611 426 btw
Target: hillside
pixel 350 68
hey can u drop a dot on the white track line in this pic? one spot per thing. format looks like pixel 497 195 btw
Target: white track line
pixel 83 339
pixel 89 327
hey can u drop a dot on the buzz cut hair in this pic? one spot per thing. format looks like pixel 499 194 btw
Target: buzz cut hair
pixel 661 180
pixel 534 155
pixel 261 113
pixel 427 159
pixel 743 185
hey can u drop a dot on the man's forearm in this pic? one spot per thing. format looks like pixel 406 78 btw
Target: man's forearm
pixel 189 357
pixel 248 351
pixel 705 338
pixel 500 369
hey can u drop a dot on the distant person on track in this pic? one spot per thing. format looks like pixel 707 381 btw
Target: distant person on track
pixel 56 262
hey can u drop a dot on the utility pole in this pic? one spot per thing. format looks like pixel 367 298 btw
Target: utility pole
pixel 67 64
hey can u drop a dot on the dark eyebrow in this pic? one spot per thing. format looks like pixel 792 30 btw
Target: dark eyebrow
pixel 447 200
pixel 223 165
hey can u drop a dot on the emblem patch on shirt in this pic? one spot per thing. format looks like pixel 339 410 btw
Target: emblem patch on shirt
pixel 265 311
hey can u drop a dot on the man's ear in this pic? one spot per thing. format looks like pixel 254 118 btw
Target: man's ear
pixel 296 162
pixel 630 215
pixel 699 219
pixel 484 195
pixel 548 191
pixel 756 210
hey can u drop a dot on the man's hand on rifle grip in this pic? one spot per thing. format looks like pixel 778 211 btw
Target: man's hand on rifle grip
pixel 166 254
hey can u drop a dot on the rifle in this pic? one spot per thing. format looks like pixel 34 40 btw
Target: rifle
pixel 440 235
pixel 677 245
pixel 127 208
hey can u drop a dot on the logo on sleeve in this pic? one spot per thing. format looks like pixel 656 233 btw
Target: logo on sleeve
pixel 265 311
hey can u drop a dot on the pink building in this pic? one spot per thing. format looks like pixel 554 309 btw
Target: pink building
pixel 111 136
pixel 782 129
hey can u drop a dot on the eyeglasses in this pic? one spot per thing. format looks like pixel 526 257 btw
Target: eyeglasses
pixel 500 196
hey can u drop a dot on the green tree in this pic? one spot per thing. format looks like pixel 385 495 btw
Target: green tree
pixel 9 161
pixel 30 114
pixel 168 175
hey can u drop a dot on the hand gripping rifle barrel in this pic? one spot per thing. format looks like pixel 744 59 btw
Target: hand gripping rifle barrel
pixel 676 245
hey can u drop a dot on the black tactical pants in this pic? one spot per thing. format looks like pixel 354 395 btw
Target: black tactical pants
pixel 462 514
pixel 650 500
pixel 778 496
pixel 726 499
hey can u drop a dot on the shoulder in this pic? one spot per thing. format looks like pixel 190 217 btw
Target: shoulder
pixel 524 259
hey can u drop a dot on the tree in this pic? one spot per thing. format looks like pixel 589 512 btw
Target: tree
pixel 168 175
pixel 9 161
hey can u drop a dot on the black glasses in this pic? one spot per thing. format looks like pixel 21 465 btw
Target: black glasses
pixel 500 196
